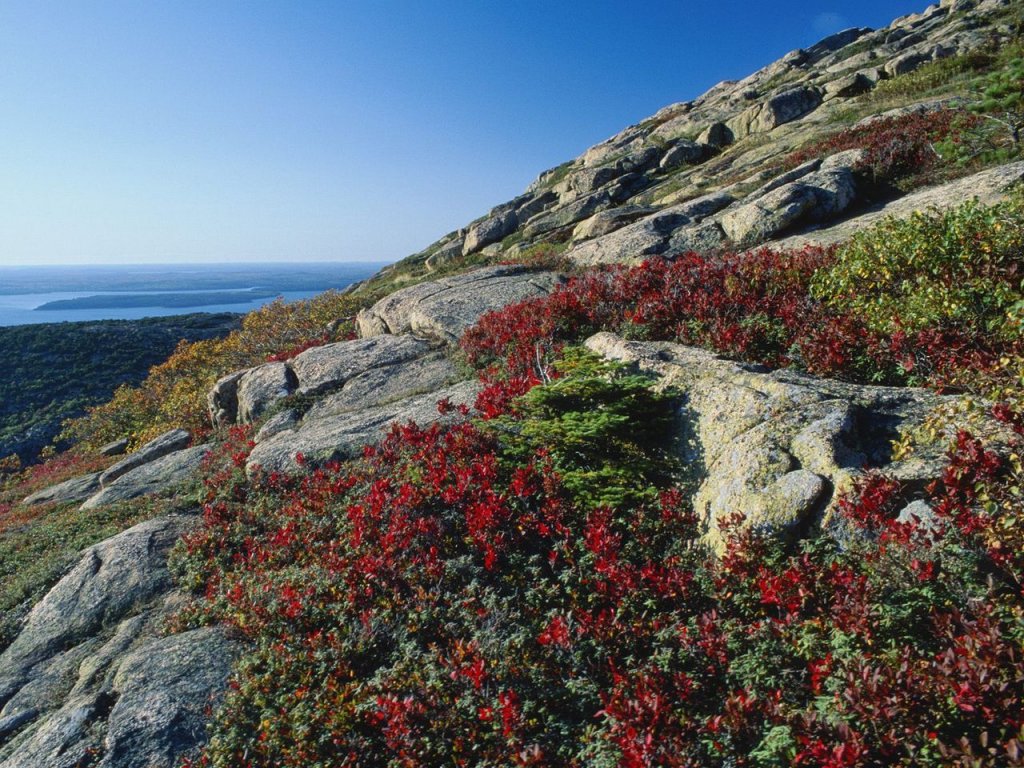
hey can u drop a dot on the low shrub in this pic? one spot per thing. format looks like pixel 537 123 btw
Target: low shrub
pixel 934 300
pixel 452 600
pixel 897 150
pixel 960 269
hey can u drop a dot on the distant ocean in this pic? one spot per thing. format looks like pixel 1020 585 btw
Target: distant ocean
pixel 51 294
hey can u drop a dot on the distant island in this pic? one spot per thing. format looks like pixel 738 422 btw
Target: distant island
pixel 165 300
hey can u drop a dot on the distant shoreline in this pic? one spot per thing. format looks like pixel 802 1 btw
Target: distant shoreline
pixel 31 295
pixel 162 300
pixel 173 278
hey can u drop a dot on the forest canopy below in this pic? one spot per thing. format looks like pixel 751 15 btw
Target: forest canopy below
pixel 54 371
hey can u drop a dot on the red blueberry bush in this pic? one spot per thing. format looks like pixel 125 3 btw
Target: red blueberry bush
pixel 532 587
pixel 895 149
pixel 451 599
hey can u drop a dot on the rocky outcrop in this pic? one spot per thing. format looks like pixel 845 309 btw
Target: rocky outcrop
pixel 323 369
pixel 363 372
pixel 818 196
pixel 651 235
pixel 504 219
pixel 161 474
pixel 567 215
pixel 777 447
pixel 683 152
pixel 168 442
pixel 720 142
pixel 442 309
pixel 851 85
pixel 778 110
pixel 75 489
pixel 324 438
pixel 164 691
pixel 111 577
pixel 90 680
pixel 385 384
pixel 160 465
pixel 988 187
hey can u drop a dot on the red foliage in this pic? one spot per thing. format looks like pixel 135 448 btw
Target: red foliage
pixel 753 307
pixel 894 147
pixel 457 605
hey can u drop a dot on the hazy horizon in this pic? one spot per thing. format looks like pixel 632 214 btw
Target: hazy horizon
pixel 50 293
pixel 191 132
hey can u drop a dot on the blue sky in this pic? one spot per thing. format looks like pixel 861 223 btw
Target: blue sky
pixel 214 130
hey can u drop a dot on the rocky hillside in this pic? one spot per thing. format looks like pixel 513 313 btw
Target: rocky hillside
pixel 598 479
pixel 725 170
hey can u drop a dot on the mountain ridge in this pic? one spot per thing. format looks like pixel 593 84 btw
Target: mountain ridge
pixel 670 497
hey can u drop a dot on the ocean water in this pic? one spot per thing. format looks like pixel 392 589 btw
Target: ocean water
pixel 23 290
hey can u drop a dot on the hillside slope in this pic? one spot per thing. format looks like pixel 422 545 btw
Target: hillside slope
pixel 593 481
pixel 54 372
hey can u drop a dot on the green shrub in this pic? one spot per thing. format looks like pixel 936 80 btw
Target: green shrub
pixel 959 268
pixel 1002 97
pixel 603 427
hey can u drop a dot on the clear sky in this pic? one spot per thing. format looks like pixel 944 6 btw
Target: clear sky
pixel 214 130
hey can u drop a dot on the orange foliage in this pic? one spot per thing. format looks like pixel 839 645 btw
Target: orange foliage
pixel 174 394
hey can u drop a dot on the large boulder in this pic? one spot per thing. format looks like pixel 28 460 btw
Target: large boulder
pixel 704 238
pixel 161 474
pixel 443 309
pixel 328 367
pixel 779 447
pixel 89 680
pixel 816 197
pixel 490 230
pixel 324 438
pixel 169 442
pixel 717 135
pixel 683 152
pixel 445 253
pixel 312 373
pixel 114 447
pixel 850 85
